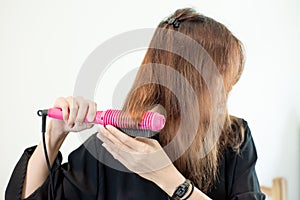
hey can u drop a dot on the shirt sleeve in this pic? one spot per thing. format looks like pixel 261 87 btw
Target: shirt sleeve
pixel 78 178
pixel 245 184
pixel 16 182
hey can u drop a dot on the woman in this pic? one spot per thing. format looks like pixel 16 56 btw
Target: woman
pixel 201 153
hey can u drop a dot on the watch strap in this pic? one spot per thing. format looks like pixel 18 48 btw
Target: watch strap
pixel 181 190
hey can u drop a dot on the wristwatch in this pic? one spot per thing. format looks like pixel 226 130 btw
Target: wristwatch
pixel 181 190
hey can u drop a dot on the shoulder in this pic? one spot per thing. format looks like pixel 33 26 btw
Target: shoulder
pixel 247 139
pixel 242 147
pixel 238 135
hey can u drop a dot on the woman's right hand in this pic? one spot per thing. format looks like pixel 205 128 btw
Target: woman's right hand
pixel 74 110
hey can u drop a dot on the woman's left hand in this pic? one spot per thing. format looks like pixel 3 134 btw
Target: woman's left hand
pixel 143 156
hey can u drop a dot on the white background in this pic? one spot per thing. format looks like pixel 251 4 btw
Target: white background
pixel 44 44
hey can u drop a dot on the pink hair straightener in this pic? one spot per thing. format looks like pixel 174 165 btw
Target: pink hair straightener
pixel 151 123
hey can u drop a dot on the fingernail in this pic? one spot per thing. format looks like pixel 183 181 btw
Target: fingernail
pixel 90 118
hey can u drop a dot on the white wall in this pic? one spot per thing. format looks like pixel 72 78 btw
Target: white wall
pixel 43 45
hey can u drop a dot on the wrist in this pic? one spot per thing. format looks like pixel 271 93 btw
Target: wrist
pixel 172 180
pixel 54 137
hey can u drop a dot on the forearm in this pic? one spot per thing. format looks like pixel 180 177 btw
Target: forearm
pixel 37 170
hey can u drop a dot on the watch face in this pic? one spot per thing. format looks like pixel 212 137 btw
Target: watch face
pixel 180 191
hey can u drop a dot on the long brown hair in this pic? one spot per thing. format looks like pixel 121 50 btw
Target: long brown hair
pixel 160 67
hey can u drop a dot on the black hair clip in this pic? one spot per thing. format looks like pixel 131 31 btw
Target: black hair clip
pixel 173 21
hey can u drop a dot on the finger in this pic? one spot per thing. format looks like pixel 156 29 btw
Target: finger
pixel 126 159
pixel 151 142
pixel 63 104
pixel 92 109
pixel 82 110
pixel 102 136
pixel 124 138
pixel 106 133
pixel 110 139
pixel 73 107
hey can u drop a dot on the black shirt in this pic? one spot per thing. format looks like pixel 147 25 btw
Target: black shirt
pixel 84 177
